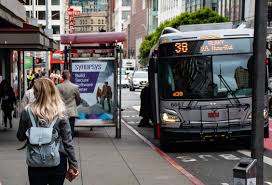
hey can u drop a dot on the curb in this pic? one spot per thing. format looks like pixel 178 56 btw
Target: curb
pixel 166 157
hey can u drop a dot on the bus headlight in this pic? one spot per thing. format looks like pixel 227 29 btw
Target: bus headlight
pixel 265 114
pixel 166 117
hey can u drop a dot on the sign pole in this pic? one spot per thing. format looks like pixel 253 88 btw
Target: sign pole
pixel 259 51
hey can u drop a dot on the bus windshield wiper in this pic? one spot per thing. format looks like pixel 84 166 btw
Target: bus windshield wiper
pixel 229 89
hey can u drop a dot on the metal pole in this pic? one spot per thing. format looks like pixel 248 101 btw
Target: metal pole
pixel 120 94
pixel 65 57
pixel 115 104
pixel 19 80
pixel 70 58
pixel 47 28
pixel 259 55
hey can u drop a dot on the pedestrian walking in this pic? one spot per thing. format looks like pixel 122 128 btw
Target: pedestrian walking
pixel 29 77
pixel 145 110
pixel 49 141
pixel 71 97
pixel 106 95
pixel 8 101
pixel 29 97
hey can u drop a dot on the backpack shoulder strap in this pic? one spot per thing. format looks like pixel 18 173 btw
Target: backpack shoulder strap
pixel 53 122
pixel 33 122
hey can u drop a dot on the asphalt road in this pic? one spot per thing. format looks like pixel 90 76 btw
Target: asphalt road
pixel 212 163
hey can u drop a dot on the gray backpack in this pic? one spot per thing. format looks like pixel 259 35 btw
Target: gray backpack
pixel 43 144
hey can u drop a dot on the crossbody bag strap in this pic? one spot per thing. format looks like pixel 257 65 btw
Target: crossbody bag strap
pixel 33 122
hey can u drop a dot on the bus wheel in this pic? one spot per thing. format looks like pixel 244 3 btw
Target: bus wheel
pixel 266 132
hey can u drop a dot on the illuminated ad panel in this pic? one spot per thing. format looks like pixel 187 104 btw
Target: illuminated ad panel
pixel 95 81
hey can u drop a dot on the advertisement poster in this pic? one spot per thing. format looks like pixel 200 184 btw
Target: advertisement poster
pixel 95 81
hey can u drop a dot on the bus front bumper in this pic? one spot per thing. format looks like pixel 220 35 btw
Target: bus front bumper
pixel 208 134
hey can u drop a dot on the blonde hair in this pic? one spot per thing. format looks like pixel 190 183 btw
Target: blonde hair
pixel 48 104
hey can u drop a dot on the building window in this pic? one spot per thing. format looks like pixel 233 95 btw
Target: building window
pixel 102 21
pixel 55 15
pixel 28 14
pixel 55 2
pixel 91 28
pixel 41 2
pixel 125 15
pixel 91 21
pixel 126 2
pixel 98 21
pixel 41 15
pixel 269 13
pixel 28 2
pixel 143 4
pixel 56 29
pixel 86 21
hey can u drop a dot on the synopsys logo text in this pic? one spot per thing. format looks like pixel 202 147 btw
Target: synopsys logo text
pixel 88 67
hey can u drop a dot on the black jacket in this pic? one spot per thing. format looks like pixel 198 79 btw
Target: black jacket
pixel 146 108
pixel 8 99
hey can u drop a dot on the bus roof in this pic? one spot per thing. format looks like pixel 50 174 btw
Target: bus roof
pixel 206 34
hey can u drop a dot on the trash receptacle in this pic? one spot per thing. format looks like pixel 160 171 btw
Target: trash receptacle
pixel 244 173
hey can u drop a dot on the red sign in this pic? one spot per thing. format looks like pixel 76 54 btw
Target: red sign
pixel 72 13
pixel 213 114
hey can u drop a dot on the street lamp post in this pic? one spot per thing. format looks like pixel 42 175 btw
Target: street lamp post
pixel 259 55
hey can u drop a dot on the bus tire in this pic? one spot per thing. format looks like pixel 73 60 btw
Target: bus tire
pixel 266 132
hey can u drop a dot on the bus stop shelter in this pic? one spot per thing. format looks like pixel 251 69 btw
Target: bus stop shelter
pixel 93 60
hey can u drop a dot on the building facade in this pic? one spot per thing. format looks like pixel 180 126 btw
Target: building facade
pixel 12 15
pixel 168 9
pixel 37 9
pixel 121 13
pixel 89 6
pixel 138 27
pixel 91 22
pixel 153 15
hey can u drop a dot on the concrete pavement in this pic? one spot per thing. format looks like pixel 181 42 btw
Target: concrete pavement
pixel 103 160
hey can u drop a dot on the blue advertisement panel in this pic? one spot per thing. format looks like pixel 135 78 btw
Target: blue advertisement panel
pixel 95 81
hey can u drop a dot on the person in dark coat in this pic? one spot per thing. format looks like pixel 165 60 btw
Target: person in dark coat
pixel 8 101
pixel 145 110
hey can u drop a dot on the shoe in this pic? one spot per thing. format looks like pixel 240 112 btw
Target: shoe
pixel 10 126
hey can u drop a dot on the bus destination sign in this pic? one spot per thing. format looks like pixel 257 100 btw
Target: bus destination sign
pixel 216 45
pixel 207 47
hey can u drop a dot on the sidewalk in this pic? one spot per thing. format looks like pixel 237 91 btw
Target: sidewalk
pixel 103 159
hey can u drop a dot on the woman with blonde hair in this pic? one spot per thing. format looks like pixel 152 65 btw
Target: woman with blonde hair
pixel 48 110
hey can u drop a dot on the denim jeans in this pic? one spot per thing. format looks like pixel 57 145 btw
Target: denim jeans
pixel 48 176
pixel 72 124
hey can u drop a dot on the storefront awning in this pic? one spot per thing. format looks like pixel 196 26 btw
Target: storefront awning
pixel 27 38
pixel 93 38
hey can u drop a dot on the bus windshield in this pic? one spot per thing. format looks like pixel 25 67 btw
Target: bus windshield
pixel 206 77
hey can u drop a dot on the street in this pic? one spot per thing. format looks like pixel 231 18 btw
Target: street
pixel 211 163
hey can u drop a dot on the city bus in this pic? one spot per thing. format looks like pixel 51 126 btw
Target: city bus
pixel 202 84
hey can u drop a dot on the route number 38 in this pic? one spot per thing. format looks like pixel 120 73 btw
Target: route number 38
pixel 181 47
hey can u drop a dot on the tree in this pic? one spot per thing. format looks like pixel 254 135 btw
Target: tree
pixel 202 16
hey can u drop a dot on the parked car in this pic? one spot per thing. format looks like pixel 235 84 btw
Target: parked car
pixel 124 81
pixel 138 80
